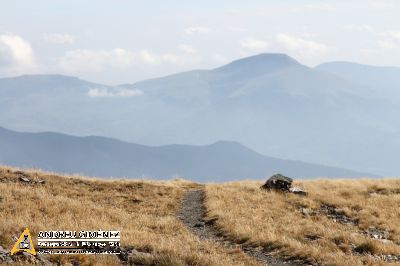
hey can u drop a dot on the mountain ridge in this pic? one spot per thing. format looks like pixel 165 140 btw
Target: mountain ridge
pixel 108 157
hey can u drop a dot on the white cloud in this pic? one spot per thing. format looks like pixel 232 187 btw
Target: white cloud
pixel 76 61
pixel 59 38
pixel 187 48
pixel 95 60
pixel 301 46
pixel 122 58
pixel 16 54
pixel 149 58
pixel 171 58
pixel 103 93
pixel 354 27
pixel 254 44
pixel 197 30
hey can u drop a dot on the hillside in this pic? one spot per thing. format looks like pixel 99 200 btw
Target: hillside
pixel 270 103
pixel 106 157
pixel 352 222
pixel 336 224
pixel 142 210
pixel 384 79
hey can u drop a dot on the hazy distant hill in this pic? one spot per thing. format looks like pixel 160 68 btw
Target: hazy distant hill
pixel 269 102
pixel 105 157
pixel 384 80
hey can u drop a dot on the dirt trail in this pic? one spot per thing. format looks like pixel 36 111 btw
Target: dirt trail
pixel 192 214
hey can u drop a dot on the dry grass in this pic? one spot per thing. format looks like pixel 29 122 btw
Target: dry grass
pixel 144 211
pixel 273 220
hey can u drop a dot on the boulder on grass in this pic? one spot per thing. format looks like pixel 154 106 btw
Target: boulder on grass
pixel 298 191
pixel 278 182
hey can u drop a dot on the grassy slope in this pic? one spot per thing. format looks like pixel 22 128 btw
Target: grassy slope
pixel 248 214
pixel 144 211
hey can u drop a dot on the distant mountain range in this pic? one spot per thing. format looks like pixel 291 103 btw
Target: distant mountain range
pixel 384 80
pixel 106 157
pixel 339 114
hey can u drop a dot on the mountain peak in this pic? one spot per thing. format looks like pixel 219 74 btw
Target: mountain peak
pixel 259 64
pixel 226 143
pixel 268 57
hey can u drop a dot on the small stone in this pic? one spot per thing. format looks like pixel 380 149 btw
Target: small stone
pixel 24 179
pixel 312 237
pixel 377 233
pixel 337 215
pixel 199 224
pixel 304 211
pixel 298 191
pixel 136 201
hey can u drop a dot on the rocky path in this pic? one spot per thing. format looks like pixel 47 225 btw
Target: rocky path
pixel 192 214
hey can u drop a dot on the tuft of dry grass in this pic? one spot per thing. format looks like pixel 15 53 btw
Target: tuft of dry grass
pixel 143 210
pixel 292 225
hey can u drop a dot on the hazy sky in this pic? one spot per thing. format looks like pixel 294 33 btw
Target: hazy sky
pixel 123 41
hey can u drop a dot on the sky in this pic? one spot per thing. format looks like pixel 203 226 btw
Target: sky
pixel 124 41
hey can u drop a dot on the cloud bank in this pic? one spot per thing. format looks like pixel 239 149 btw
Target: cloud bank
pixel 300 46
pixel 255 45
pixel 16 55
pixel 107 93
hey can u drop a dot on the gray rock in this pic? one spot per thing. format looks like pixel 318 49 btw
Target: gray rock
pixel 24 179
pixel 389 258
pixel 278 182
pixel 298 191
pixel 304 211
pixel 199 224
pixel 5 256
pixel 337 215
pixel 377 233
pixel 312 237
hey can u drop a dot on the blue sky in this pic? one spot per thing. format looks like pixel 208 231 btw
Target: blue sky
pixel 124 41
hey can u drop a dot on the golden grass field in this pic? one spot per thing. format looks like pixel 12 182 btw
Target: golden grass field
pixel 273 220
pixel 145 212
